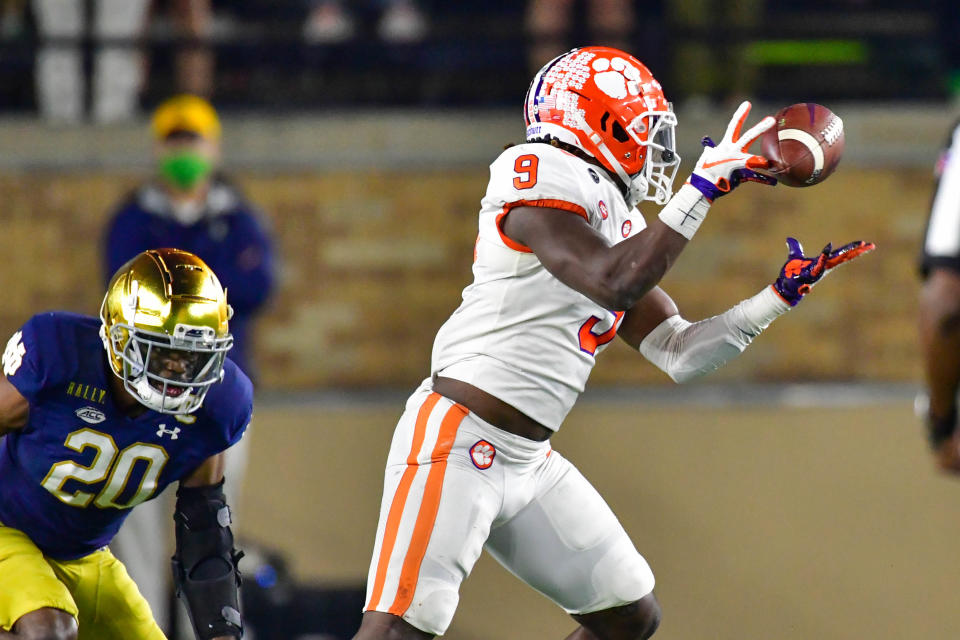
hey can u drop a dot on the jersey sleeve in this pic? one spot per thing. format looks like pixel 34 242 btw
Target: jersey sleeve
pixel 234 403
pixel 941 246
pixel 31 359
pixel 240 423
pixel 538 175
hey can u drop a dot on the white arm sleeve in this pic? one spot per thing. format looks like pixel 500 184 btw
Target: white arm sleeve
pixel 685 350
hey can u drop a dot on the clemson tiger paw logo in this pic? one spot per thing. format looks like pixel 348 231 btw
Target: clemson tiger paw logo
pixel 617 78
pixel 482 454
pixel 604 212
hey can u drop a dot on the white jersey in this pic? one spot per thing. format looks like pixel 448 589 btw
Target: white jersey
pixel 520 334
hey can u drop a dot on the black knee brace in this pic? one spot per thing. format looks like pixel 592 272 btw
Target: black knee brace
pixel 205 564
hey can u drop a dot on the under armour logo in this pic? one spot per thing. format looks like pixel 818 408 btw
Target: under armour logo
pixel 171 432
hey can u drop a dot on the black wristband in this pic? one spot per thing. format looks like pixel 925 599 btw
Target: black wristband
pixel 941 429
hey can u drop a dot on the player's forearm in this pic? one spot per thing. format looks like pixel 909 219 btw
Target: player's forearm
pixel 940 341
pixel 617 277
pixel 210 472
pixel 685 350
pixel 638 264
pixel 942 370
pixel 13 419
pixel 205 563
pixel 14 408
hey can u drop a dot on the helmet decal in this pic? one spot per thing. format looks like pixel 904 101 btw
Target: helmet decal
pixel 617 78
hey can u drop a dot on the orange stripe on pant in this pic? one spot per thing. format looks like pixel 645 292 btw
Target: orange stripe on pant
pixel 429 506
pixel 400 499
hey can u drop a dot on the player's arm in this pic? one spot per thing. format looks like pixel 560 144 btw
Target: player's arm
pixel 208 473
pixel 617 276
pixel 614 277
pixel 940 342
pixel 685 350
pixel 205 568
pixel 14 408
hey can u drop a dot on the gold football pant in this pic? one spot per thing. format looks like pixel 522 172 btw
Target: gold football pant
pixel 95 589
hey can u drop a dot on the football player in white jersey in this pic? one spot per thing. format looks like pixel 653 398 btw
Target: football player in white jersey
pixel 564 262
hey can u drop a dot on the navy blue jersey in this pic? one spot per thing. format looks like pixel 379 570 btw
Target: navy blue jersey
pixel 70 476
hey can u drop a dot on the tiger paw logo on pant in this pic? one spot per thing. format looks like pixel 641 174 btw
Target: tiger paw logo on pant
pixel 482 454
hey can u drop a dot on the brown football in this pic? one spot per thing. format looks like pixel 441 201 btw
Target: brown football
pixel 805 144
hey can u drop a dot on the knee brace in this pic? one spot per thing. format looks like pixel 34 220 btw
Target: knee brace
pixel 205 564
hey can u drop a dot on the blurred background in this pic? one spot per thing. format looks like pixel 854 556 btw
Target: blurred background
pixel 789 495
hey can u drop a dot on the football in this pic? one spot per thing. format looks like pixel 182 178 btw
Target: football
pixel 804 146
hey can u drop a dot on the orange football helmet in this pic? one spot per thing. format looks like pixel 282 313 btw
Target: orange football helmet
pixel 607 103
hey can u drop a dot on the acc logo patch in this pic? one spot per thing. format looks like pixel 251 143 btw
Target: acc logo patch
pixel 90 415
pixel 603 209
pixel 625 229
pixel 482 454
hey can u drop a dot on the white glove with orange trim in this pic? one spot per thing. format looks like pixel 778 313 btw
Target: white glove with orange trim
pixel 723 166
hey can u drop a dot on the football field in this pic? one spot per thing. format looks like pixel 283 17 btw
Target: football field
pixel 797 514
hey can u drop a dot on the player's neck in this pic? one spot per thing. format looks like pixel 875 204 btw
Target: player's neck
pixel 130 406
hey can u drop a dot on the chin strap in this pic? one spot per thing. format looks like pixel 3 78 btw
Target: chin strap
pixel 635 192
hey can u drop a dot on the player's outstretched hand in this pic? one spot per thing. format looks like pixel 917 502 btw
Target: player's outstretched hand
pixel 799 273
pixel 723 166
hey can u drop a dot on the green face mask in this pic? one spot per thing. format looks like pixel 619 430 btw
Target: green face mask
pixel 185 169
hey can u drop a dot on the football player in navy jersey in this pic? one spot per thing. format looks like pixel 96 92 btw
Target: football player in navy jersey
pixel 99 416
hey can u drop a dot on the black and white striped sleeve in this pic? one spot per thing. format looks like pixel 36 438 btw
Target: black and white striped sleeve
pixel 941 244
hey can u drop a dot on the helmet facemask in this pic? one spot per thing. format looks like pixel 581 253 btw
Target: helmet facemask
pixel 143 352
pixel 662 160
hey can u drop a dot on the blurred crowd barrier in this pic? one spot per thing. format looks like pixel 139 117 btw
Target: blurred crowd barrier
pixel 301 54
pixel 374 216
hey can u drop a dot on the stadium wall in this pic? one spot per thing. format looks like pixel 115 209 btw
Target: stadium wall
pixel 375 217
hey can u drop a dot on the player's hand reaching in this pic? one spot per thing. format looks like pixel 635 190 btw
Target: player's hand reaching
pixel 799 273
pixel 723 166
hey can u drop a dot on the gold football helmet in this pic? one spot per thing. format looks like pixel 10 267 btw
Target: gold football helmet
pixel 165 328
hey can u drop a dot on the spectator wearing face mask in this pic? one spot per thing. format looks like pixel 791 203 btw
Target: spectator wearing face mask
pixel 189 204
